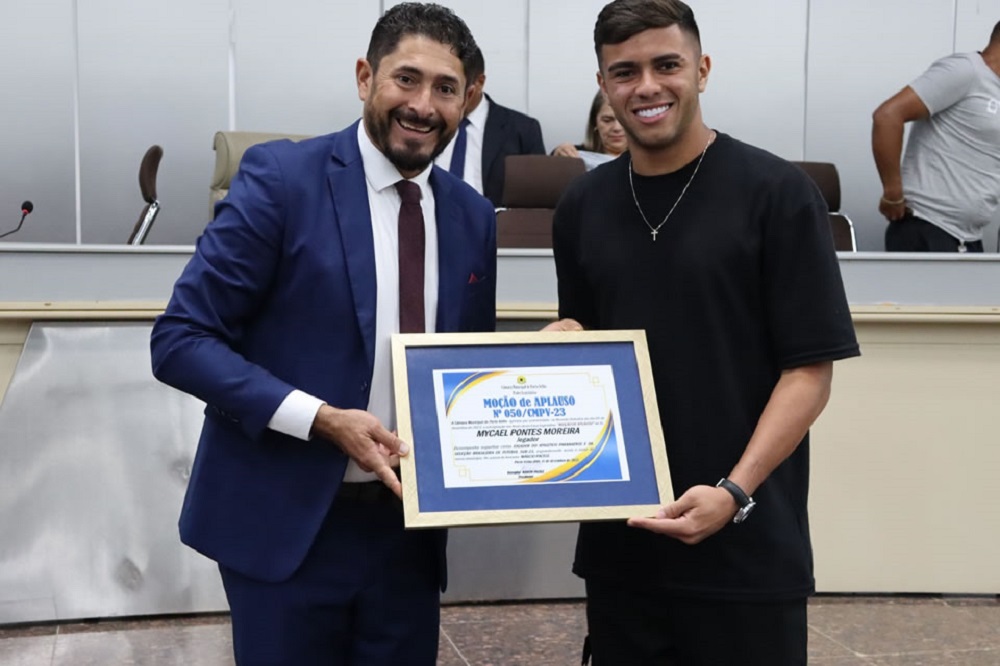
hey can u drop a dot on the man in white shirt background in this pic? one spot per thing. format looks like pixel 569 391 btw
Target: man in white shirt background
pixel 947 189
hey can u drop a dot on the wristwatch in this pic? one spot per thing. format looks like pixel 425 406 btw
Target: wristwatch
pixel 744 501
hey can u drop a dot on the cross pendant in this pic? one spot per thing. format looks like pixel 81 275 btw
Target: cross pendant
pixel 654 232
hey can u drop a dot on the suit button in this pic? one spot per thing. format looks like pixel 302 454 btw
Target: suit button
pixel 364 386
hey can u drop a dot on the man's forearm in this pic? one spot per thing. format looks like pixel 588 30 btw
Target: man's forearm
pixel 796 401
pixel 887 148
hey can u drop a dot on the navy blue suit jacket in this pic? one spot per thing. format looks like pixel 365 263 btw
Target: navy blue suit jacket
pixel 507 132
pixel 280 295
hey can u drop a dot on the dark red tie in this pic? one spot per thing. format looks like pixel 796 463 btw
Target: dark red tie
pixel 411 259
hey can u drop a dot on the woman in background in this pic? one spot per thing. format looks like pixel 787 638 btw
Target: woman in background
pixel 605 138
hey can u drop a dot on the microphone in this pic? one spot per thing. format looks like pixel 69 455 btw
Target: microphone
pixel 26 208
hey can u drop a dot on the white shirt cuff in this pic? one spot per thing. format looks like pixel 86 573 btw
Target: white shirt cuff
pixel 295 415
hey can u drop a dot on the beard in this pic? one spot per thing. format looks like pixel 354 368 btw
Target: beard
pixel 411 156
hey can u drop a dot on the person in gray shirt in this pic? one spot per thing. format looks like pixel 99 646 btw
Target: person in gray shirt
pixel 948 188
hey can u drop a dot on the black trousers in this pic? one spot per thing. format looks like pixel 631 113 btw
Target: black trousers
pixel 634 627
pixel 913 234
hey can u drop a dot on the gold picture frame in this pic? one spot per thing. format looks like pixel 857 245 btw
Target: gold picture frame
pixel 527 427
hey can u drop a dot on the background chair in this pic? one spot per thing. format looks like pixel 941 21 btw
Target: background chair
pixel 532 187
pixel 825 175
pixel 229 148
pixel 147 185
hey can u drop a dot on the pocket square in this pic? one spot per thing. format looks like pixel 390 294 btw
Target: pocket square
pixel 473 279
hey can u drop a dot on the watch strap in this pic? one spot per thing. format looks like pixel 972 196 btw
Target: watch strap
pixel 742 499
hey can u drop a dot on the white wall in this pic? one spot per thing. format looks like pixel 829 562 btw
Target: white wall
pixel 757 86
pixel 37 115
pixel 294 63
pixel 98 82
pixel 149 73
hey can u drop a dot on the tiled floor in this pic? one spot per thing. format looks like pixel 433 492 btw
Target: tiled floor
pixel 844 631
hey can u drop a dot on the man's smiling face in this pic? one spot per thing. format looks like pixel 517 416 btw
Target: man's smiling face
pixel 414 101
pixel 652 81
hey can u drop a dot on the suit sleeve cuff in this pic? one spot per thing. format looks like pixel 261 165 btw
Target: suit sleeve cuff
pixel 295 415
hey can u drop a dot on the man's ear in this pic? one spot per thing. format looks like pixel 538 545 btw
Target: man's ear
pixel 600 84
pixel 704 67
pixel 474 88
pixel 363 73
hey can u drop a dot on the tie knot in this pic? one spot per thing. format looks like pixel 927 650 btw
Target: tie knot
pixel 465 123
pixel 409 191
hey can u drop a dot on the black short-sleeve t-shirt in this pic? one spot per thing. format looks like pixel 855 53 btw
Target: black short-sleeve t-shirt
pixel 741 282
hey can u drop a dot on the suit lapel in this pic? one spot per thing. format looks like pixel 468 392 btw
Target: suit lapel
pixel 493 135
pixel 450 282
pixel 349 191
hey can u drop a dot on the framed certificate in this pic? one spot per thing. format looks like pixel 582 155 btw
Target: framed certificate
pixel 528 427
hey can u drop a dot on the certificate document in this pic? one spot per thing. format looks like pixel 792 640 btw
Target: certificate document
pixel 529 425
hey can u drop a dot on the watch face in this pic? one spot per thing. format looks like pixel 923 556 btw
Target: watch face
pixel 742 514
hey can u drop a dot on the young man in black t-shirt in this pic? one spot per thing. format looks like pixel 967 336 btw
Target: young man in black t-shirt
pixel 723 254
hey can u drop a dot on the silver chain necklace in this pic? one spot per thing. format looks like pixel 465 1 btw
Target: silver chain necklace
pixel 656 230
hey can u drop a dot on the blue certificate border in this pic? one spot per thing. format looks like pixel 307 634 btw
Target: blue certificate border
pixel 422 361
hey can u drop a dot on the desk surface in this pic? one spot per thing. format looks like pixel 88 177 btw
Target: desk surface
pixel 525 281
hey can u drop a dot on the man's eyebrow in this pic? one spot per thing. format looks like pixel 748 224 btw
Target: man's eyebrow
pixel 666 57
pixel 408 69
pixel 620 64
pixel 416 72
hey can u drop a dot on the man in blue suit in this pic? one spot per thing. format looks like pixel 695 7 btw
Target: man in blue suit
pixel 281 324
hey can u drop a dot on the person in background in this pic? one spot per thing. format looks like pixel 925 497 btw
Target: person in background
pixel 722 253
pixel 948 189
pixel 605 139
pixel 281 324
pixel 488 134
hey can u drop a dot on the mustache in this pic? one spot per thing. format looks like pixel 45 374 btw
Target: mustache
pixel 413 118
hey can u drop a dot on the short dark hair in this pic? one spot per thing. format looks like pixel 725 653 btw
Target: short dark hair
pixel 620 20
pixel 425 20
pixel 995 35
pixel 476 66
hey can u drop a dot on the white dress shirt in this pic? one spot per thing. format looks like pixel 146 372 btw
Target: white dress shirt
pixel 473 173
pixel 296 413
